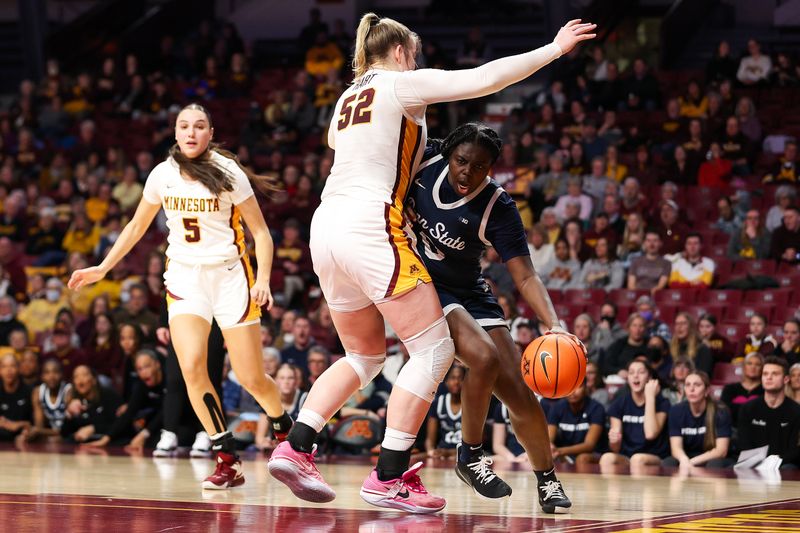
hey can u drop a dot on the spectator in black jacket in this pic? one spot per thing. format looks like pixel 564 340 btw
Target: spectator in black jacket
pixel 625 350
pixel 785 244
pixel 92 409
pixel 16 412
pixel 772 420
pixel 145 413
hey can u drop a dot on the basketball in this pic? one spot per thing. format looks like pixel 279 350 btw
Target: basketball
pixel 553 365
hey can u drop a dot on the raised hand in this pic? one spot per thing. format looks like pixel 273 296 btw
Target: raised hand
pixel 85 276
pixel 572 33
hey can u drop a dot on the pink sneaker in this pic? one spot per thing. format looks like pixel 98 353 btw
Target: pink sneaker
pixel 297 471
pixel 406 493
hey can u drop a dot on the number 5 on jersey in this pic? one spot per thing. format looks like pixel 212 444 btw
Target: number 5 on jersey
pixel 362 113
pixel 192 228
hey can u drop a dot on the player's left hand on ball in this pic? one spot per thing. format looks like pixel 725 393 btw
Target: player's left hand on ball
pixel 558 330
pixel 261 294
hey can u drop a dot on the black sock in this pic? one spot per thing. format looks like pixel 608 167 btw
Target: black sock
pixel 469 453
pixel 282 424
pixel 546 475
pixel 301 437
pixel 392 463
pixel 224 443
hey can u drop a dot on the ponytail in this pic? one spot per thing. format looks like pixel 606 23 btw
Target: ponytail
pixel 216 179
pixel 375 37
pixel 710 438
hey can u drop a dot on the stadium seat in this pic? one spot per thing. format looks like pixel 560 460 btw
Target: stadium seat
pixel 666 313
pixel 716 391
pixel 776 297
pixel 698 310
pixel 723 266
pixel 556 296
pixel 584 296
pixel 782 314
pixel 741 314
pixel 733 332
pixel 725 373
pixel 789 268
pixel 568 311
pixel 676 296
pixel 721 297
pixel 755 267
pixel 622 297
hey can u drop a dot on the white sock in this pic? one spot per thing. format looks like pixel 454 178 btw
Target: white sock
pixel 398 440
pixel 311 419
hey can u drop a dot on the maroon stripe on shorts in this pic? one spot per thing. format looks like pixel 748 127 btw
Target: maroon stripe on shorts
pixel 396 272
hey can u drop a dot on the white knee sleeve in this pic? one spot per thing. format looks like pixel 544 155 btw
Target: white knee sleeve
pixel 431 354
pixel 366 366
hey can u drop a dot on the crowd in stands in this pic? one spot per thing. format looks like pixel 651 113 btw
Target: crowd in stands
pixel 661 209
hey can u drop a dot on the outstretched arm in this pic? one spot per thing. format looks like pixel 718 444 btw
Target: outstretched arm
pixel 430 86
pixel 127 239
pixel 531 288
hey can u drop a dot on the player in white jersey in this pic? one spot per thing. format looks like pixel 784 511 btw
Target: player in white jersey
pixel 367 267
pixel 206 194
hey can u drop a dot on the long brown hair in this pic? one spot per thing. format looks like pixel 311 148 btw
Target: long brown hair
pixel 214 178
pixel 693 341
pixel 710 439
pixel 375 36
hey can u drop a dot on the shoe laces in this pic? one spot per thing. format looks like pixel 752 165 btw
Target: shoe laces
pixel 552 489
pixel 411 480
pixel 483 469
pixel 310 464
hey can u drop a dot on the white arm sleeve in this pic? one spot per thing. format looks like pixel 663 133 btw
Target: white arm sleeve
pixel 430 86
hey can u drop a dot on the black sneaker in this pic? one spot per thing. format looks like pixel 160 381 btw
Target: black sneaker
pixel 552 497
pixel 480 476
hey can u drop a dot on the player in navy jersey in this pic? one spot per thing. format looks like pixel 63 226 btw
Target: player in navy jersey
pixel 504 441
pixel 638 419
pixel 699 428
pixel 576 424
pixel 457 212
pixel 444 417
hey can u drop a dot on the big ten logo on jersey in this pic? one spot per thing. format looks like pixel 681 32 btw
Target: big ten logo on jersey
pixel 453 437
pixel 362 114
pixel 359 428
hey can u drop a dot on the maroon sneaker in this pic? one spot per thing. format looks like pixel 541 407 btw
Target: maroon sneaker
pixel 227 474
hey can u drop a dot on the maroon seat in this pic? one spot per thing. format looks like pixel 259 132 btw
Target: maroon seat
pixel 722 297
pixel 733 332
pixel 789 280
pixel 717 251
pixel 666 313
pixel 716 391
pixel 725 373
pixel 782 314
pixel 682 297
pixel 698 310
pixel 556 296
pixel 568 311
pixel 622 297
pixel 776 297
pixel 584 296
pixel 741 314
pixel 722 266
pixel 760 267
pixel 789 268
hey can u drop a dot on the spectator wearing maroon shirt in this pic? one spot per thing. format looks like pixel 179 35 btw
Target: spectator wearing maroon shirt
pixel 9 258
pixel 721 348
pixel 63 350
pixel 102 350
pixel 673 232
pixel 633 201
pixel 600 230
pixel 716 170
pixel 785 245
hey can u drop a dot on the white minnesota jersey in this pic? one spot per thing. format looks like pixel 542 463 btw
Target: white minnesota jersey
pixel 203 228
pixel 378 141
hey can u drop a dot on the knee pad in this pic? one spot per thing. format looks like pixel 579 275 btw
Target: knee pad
pixel 366 366
pixel 431 353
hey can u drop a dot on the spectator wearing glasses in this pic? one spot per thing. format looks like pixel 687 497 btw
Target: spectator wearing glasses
pixel 752 241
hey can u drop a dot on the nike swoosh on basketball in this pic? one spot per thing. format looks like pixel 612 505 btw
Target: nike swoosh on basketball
pixel 543 358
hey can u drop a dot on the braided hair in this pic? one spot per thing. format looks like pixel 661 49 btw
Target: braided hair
pixel 476 133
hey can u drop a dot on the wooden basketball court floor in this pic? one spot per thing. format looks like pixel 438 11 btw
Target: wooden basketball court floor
pixel 63 489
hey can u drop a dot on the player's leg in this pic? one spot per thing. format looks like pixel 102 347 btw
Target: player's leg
pixel 528 421
pixel 244 350
pixel 190 337
pixel 476 350
pixel 416 316
pixel 362 334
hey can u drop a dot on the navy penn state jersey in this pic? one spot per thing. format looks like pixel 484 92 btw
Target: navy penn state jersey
pixel 449 422
pixel 453 231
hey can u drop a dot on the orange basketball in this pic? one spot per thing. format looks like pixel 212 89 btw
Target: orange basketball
pixel 553 365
